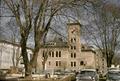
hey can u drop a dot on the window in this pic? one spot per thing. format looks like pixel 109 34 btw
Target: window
pixel 73 64
pixel 56 53
pixel 103 59
pixel 74 47
pixel 71 47
pixel 58 63
pixel 53 54
pixel 74 55
pixel 59 53
pixel 82 63
pixel 74 39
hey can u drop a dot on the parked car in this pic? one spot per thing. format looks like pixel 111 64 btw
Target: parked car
pixel 113 75
pixel 87 75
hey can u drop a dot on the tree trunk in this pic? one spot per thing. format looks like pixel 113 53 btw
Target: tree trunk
pixel 109 62
pixel 37 40
pixel 109 59
pixel 28 68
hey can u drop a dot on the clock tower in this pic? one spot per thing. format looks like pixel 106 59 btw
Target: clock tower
pixel 74 45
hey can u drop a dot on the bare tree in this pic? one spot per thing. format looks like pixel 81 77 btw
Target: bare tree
pixel 103 28
pixel 36 14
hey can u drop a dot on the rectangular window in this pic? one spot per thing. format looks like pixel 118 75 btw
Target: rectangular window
pixel 56 53
pixel 56 63
pixel 53 54
pixel 74 64
pixel 74 55
pixel 74 39
pixel 71 64
pixel 71 40
pixel 74 47
pixel 59 53
pixel 102 59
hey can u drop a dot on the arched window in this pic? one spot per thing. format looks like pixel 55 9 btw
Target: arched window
pixel 81 62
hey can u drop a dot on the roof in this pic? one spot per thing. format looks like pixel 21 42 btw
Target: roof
pixel 8 42
pixel 56 43
pixel 86 48
pixel 14 44
pixel 59 43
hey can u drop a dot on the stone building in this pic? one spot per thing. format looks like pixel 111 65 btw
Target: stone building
pixel 69 55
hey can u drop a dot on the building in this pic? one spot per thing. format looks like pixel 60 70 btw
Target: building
pixel 9 52
pixel 101 62
pixel 69 55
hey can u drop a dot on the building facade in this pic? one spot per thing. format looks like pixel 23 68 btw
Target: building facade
pixel 69 55
pixel 10 52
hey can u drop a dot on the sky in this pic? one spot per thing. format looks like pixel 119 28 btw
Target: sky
pixel 84 22
pixel 117 2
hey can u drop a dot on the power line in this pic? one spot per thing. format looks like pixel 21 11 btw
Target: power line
pixel 58 33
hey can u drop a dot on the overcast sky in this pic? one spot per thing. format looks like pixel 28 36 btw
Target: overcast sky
pixel 4 20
